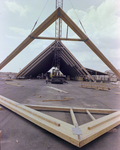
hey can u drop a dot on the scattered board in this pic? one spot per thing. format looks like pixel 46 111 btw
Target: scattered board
pixel 50 100
pixel 57 89
pixel 13 83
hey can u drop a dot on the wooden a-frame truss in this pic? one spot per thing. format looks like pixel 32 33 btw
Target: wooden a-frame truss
pixel 74 134
pixel 59 13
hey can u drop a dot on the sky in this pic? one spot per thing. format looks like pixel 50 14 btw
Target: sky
pixel 100 19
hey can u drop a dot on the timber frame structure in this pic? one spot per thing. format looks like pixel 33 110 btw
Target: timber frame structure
pixel 74 134
pixel 59 13
pixel 69 65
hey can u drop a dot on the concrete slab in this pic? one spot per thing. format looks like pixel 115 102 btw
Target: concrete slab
pixel 18 133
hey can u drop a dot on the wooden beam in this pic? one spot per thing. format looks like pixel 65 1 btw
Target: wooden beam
pixel 68 98
pixel 91 131
pixel 75 122
pixel 78 64
pixel 104 120
pixel 49 108
pixel 53 38
pixel 75 109
pixel 13 83
pixel 34 61
pixel 28 40
pixel 73 117
pixel 91 116
pixel 51 100
pixel 90 44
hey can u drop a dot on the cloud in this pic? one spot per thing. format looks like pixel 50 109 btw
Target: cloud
pixel 14 7
pixel 102 26
pixel 20 31
pixel 100 20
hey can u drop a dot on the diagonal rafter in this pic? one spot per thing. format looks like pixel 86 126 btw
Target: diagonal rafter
pixel 87 41
pixel 28 40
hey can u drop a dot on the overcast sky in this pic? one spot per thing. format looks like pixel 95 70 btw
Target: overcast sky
pixel 100 18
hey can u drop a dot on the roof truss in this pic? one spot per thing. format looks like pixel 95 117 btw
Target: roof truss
pixel 59 13
pixel 46 58
pixel 74 134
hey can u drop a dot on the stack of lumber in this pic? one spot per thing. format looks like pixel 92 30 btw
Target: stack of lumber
pixel 95 85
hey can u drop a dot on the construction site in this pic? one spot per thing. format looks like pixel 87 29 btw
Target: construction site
pixel 54 102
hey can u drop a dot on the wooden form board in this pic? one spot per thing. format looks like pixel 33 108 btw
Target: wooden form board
pixel 95 85
pixel 86 132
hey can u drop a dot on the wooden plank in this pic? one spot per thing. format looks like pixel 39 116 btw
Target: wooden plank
pixel 91 116
pixel 104 126
pixel 54 38
pixel 68 98
pixel 57 89
pixel 103 120
pixel 51 100
pixel 49 108
pixel 78 64
pixel 74 122
pixel 13 83
pixel 94 111
pixel 94 85
pixel 34 61
pixel 73 117
pixel 75 109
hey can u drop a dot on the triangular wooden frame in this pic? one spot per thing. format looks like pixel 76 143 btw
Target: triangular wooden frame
pixel 68 58
pixel 59 13
pixel 74 134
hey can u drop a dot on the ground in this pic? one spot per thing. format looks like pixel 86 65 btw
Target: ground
pixel 20 134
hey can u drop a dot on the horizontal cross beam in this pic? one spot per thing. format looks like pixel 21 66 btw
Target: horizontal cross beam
pixel 54 38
